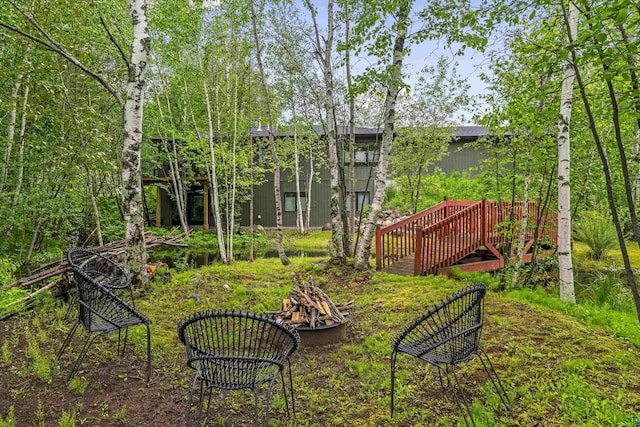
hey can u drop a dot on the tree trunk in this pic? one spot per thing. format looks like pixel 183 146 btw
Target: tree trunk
pixel 23 129
pixel 352 133
pixel 213 176
pixel 631 280
pixel 131 152
pixel 176 183
pixel 94 205
pixel 309 185
pixel 565 263
pixel 299 219
pixel 13 114
pixel 524 222
pixel 272 144
pixel 234 173
pixel 393 87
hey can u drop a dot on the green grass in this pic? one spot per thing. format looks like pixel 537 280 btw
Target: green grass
pixel 562 365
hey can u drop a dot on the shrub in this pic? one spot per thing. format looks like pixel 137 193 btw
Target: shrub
pixel 596 230
pixel 7 270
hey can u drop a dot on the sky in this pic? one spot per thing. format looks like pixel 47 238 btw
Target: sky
pixel 470 66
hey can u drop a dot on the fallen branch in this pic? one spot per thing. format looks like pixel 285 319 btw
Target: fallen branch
pixel 114 250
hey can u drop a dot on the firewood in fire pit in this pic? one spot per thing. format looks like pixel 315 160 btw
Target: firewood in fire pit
pixel 311 307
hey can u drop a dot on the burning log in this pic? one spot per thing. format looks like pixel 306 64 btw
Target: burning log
pixel 309 306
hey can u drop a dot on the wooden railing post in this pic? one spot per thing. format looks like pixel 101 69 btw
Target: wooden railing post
pixel 446 207
pixel 379 248
pixel 417 256
pixel 483 223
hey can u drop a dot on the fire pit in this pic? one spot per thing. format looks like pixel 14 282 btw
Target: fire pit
pixel 315 316
pixel 324 334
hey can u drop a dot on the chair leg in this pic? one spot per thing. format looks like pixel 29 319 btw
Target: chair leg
pixel 80 358
pixel 284 391
pixel 461 399
pixel 67 340
pixel 266 408
pixel 393 378
pixel 255 407
pixel 293 402
pixel 193 386
pixel 493 376
pixel 71 302
pixel 202 390
pixel 148 354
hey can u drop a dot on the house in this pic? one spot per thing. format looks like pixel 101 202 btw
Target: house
pixel 459 158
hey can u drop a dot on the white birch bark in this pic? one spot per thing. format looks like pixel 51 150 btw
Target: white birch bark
pixel 177 184
pixel 524 221
pixel 23 129
pixel 323 52
pixel 96 211
pixel 363 251
pixel 352 135
pixel 13 114
pixel 565 264
pixel 213 178
pixel 309 186
pixel 299 220
pixel 272 143
pixel 234 173
pixel 131 152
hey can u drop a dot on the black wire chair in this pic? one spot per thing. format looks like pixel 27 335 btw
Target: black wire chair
pixel 447 335
pixel 100 311
pixel 235 350
pixel 102 269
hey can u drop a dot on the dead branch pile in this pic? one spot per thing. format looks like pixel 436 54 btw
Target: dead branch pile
pixel 309 306
pixel 114 250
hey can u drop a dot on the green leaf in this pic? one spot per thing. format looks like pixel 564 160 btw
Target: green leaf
pixel 601 37
pixel 622 16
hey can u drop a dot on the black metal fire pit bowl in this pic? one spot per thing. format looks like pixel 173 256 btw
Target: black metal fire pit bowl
pixel 323 335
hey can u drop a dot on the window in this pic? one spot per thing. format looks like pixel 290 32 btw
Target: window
pixel 362 201
pixel 368 156
pixel 290 202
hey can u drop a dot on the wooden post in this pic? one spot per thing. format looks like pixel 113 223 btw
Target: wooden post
pixel 379 248
pixel 205 225
pixel 483 223
pixel 158 207
pixel 446 207
pixel 417 257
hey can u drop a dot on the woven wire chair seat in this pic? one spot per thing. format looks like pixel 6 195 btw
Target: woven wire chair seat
pixel 447 335
pixel 235 350
pixel 100 311
pixel 102 269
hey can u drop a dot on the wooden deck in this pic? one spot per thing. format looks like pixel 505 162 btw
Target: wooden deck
pixel 460 234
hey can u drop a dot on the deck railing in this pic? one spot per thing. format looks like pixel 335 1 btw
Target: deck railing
pixel 444 234
pixel 443 243
pixel 398 240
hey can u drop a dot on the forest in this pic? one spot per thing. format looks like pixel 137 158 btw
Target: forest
pixel 106 105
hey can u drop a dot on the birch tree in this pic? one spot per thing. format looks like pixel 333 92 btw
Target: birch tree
pixel 565 264
pixel 272 144
pixel 394 85
pixel 323 52
pixel 132 150
pixel 132 108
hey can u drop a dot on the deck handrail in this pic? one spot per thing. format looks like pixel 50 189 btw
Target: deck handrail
pixel 447 232
pixel 398 240
pixel 449 240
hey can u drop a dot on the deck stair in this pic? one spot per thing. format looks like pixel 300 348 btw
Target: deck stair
pixel 468 235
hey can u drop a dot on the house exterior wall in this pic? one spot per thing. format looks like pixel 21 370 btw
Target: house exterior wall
pixel 459 158
pixel 319 202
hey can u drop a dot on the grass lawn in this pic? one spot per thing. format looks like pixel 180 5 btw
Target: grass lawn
pixel 560 367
